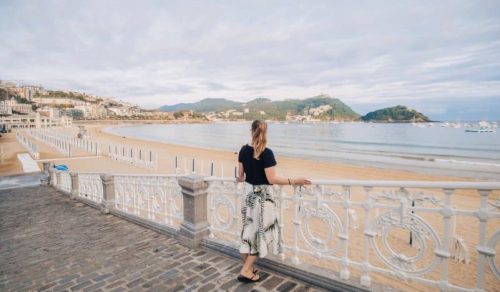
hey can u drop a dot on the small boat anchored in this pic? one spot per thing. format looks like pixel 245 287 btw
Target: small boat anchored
pixel 480 130
pixel 484 127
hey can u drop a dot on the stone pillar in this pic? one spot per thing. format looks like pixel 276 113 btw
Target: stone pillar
pixel 108 192
pixel 47 175
pixel 46 167
pixel 194 228
pixel 52 177
pixel 74 185
pixel 58 180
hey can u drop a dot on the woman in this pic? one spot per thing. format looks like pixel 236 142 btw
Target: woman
pixel 261 232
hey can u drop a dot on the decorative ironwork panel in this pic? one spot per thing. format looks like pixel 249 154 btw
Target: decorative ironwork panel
pixel 90 187
pixel 65 183
pixel 155 198
pixel 407 230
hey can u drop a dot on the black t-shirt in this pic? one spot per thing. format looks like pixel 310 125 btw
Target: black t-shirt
pixel 254 169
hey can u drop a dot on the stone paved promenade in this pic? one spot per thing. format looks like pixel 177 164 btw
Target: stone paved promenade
pixel 50 242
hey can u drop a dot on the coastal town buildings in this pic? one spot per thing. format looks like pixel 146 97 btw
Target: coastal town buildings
pixel 34 120
pixel 5 108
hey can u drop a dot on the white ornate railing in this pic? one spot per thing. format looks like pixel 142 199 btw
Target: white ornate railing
pixel 131 155
pixel 64 143
pixel 90 187
pixel 427 233
pixel 64 183
pixel 156 198
pixel 28 144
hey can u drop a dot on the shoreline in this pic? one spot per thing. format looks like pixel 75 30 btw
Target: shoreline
pixel 286 165
pixel 455 174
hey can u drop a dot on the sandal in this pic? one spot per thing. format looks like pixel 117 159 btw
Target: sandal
pixel 248 280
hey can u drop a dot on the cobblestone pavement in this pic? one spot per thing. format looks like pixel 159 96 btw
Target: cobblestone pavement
pixel 49 242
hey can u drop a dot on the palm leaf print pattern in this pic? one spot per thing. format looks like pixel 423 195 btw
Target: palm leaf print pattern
pixel 261 232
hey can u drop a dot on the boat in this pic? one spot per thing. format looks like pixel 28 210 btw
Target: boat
pixel 480 130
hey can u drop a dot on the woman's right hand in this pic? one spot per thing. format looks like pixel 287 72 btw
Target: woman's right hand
pixel 301 181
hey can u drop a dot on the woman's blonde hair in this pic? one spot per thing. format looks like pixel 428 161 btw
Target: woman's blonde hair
pixel 259 137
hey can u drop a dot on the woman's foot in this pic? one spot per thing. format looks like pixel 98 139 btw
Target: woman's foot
pixel 254 278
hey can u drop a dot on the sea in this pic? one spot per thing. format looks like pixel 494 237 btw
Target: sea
pixel 425 148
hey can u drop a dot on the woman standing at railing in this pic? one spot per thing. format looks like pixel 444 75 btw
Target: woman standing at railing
pixel 261 233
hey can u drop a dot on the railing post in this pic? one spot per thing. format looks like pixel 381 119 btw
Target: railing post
pixel 52 177
pixel 194 228
pixel 46 171
pixel 74 185
pixel 108 193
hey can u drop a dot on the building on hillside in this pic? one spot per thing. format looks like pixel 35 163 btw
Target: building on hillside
pixel 86 110
pixel 118 111
pixel 54 113
pixel 34 121
pixel 22 108
pixel 74 113
pixel 12 106
pixel 5 108
pixel 58 101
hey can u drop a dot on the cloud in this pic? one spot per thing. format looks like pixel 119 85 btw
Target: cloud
pixel 154 53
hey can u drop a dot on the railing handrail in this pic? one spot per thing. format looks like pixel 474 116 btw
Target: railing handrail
pixel 480 185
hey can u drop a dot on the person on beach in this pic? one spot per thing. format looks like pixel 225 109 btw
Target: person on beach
pixel 261 232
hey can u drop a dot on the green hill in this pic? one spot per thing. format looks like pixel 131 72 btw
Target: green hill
pixel 400 113
pixel 319 107
pixel 204 106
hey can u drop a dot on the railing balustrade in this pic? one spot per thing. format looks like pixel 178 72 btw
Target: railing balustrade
pixel 426 235
pixel 64 143
pixel 90 187
pixel 156 198
pixel 408 230
pixel 29 145
pixel 131 155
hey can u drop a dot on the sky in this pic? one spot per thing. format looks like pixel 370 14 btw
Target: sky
pixel 439 57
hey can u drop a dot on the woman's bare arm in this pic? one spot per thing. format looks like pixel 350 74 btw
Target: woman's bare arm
pixel 241 173
pixel 272 178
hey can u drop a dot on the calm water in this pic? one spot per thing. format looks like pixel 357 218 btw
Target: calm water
pixel 436 150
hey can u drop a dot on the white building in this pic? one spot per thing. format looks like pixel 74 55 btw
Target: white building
pixel 54 113
pixel 34 121
pixel 5 108
pixel 87 110
pixel 58 101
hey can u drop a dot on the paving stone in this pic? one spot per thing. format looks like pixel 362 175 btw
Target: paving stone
pixel 167 276
pixel 102 277
pixel 187 266
pixel 245 287
pixel 81 285
pixel 207 287
pixel 115 284
pixel 272 282
pixel 287 286
pixel 68 278
pixel 150 283
pixel 193 280
pixel 135 283
pixel 50 242
pixel 201 267
pixel 94 287
pixel 209 272
pixel 229 284
pixel 63 286
pixel 47 286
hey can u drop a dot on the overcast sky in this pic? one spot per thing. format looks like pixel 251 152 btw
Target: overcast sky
pixel 440 57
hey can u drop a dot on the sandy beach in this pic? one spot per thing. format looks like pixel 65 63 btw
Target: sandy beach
pixel 288 167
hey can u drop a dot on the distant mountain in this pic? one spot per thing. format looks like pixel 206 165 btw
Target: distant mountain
pixel 203 106
pixel 320 107
pixel 398 113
